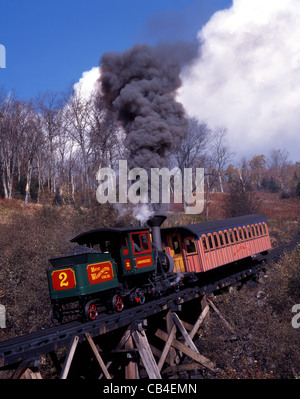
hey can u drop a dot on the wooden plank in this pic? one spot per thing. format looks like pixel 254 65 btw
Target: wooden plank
pixel 147 357
pixel 124 339
pixel 23 366
pixel 221 316
pixel 97 355
pixel 166 348
pixel 188 351
pixel 184 333
pixel 131 370
pixel 30 375
pixel 157 353
pixel 199 321
pixel 170 323
pixel 69 358
pixel 120 345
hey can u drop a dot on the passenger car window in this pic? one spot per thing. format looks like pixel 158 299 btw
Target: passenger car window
pixel 190 245
pixel 216 240
pixel 176 245
pixel 236 234
pixel 210 242
pixel 227 240
pixel 204 243
pixel 221 238
pixel 241 235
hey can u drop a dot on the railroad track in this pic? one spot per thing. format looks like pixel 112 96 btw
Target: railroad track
pixel 33 345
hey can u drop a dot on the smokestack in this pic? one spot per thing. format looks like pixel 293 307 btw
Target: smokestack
pixel 155 222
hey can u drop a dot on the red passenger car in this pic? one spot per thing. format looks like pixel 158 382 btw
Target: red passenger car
pixel 204 246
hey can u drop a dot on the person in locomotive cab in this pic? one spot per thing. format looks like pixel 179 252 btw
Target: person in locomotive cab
pixel 107 247
pixel 144 243
pixel 136 247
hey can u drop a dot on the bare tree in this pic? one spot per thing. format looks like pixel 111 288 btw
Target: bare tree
pixel 77 119
pixel 49 105
pixel 217 157
pixel 257 169
pixel 279 163
pixel 191 151
pixel 14 124
pixel 33 139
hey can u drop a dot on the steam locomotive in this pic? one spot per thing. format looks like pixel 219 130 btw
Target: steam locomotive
pixel 114 268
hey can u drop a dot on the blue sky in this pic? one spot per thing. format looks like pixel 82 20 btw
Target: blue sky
pixel 49 44
pixel 246 78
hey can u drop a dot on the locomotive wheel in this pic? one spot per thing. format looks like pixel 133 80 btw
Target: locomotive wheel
pixel 117 303
pixel 140 294
pixel 90 310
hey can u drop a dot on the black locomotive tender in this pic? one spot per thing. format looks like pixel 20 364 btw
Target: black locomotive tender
pixel 114 268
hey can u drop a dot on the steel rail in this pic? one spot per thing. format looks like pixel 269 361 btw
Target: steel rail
pixel 35 344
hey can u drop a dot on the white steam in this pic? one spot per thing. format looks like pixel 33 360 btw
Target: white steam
pixel 247 76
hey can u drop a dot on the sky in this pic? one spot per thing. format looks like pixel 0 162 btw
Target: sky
pixel 49 44
pixel 246 77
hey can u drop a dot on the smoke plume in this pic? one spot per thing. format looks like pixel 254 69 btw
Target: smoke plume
pixel 140 85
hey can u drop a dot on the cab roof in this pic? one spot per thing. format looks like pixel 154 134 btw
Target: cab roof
pixel 105 234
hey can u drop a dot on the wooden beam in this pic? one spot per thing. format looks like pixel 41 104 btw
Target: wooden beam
pixel 166 348
pixel 120 345
pixel 97 355
pixel 221 316
pixel 157 353
pixel 22 367
pixel 131 370
pixel 195 329
pixel 199 321
pixel 124 339
pixel 147 357
pixel 170 323
pixel 184 333
pixel 188 351
pixel 69 358
pixel 30 375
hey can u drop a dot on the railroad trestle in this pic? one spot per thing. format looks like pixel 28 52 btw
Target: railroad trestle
pixel 145 341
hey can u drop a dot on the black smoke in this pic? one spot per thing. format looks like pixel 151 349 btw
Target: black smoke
pixel 140 86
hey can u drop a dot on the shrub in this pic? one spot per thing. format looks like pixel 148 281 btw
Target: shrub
pixel 267 345
pixel 27 241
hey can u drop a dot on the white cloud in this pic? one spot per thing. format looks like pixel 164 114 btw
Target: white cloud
pixel 247 77
pixel 87 83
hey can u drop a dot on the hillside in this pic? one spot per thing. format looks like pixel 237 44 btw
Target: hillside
pixel 31 235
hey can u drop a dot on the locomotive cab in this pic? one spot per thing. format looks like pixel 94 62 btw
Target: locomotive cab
pixel 130 248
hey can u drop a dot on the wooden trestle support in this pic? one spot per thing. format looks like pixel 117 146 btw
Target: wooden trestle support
pixel 177 352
